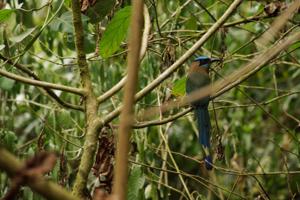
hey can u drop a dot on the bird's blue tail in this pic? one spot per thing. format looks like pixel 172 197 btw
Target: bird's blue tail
pixel 203 121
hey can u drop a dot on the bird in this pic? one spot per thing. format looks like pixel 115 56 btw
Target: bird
pixel 198 77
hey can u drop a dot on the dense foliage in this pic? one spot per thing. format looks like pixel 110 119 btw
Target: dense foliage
pixel 255 125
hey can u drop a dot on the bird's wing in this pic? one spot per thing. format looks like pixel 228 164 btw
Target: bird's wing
pixel 194 82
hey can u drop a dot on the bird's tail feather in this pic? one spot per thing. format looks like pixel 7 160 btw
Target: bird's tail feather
pixel 203 121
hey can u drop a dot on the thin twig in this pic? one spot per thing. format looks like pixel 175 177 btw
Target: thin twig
pixel 222 86
pixel 179 62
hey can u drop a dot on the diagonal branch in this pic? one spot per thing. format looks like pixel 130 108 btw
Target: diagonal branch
pixel 116 88
pixel 180 61
pixel 11 165
pixel 231 81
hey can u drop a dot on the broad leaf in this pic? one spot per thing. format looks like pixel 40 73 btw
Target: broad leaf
pixel 2 46
pixel 136 182
pixel 22 36
pixel 179 87
pixel 5 14
pixel 64 23
pixel 98 11
pixel 68 3
pixel 6 83
pixel 8 139
pixel 115 32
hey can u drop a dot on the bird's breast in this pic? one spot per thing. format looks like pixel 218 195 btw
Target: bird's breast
pixel 197 69
pixel 195 81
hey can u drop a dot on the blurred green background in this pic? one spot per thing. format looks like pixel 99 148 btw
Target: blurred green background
pixel 245 139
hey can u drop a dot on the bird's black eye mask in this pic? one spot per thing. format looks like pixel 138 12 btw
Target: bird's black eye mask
pixel 204 62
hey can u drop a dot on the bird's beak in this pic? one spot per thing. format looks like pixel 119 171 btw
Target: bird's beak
pixel 214 60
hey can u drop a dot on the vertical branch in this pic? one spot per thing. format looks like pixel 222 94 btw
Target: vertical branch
pixel 127 115
pixel 90 103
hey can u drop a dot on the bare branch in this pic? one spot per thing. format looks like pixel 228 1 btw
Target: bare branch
pixel 127 116
pixel 46 90
pixel 277 25
pixel 222 86
pixel 11 165
pixel 116 88
pixel 180 61
pixel 42 84
pixel 90 104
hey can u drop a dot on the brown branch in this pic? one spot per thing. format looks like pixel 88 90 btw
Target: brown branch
pixel 277 25
pixel 11 165
pixel 116 88
pixel 42 84
pixel 162 121
pixel 179 62
pixel 121 83
pixel 231 81
pixel 238 76
pixel 127 115
pixel 112 91
pixel 47 90
pixel 90 103
pixel 140 125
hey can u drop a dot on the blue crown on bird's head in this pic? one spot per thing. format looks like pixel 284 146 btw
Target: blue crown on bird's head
pixel 200 58
pixel 205 61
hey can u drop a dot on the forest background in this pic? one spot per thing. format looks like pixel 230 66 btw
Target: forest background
pixel 63 70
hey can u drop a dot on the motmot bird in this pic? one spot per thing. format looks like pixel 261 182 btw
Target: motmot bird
pixel 198 77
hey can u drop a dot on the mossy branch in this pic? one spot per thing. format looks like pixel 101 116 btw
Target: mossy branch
pixel 90 104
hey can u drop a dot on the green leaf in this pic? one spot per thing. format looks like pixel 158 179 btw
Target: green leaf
pixel 191 23
pixel 68 3
pixel 179 87
pixel 151 192
pixel 294 46
pixel 135 183
pixel 5 14
pixel 98 11
pixel 115 32
pixel 64 23
pixel 6 83
pixel 8 139
pixel 64 118
pixel 2 46
pixel 22 36
pixel 228 154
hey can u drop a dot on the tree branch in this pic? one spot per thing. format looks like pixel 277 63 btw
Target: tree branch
pixel 116 88
pixel 42 84
pixel 179 62
pixel 140 125
pixel 11 165
pixel 234 79
pixel 91 107
pixel 46 90
pixel 127 116
pixel 163 121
